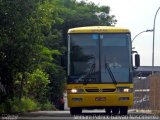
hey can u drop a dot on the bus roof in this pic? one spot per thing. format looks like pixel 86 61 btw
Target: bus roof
pixel 98 29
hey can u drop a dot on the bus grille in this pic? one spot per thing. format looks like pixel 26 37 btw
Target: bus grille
pixel 100 90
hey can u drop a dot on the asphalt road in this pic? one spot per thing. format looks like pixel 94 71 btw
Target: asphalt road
pixel 86 115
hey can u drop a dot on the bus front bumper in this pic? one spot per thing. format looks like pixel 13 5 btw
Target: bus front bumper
pixel 100 100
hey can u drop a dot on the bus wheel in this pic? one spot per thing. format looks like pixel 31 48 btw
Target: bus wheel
pixel 115 110
pixel 123 110
pixel 108 110
pixel 75 111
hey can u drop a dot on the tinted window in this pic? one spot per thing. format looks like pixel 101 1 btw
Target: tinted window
pixel 84 58
pixel 115 54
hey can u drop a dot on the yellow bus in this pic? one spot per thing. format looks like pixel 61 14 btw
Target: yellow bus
pixel 100 69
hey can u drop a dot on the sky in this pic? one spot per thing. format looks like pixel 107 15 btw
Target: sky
pixel 138 16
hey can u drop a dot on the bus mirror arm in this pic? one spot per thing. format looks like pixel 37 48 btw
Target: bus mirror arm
pixel 133 51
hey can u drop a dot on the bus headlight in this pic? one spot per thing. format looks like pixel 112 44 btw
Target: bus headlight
pixel 74 91
pixel 124 89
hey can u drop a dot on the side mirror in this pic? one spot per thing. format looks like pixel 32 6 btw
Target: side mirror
pixel 137 60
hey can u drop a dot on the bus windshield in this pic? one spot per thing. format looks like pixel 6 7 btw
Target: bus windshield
pixel 91 53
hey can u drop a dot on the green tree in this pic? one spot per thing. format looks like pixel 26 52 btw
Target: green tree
pixel 16 43
pixel 78 14
pixel 23 31
pixel 37 86
pixel 33 37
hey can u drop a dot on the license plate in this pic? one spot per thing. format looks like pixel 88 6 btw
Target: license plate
pixel 100 99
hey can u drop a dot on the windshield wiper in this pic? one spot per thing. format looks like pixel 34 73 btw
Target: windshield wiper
pixel 110 72
pixel 87 76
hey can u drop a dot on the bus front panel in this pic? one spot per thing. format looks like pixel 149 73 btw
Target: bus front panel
pixel 101 61
pixel 100 95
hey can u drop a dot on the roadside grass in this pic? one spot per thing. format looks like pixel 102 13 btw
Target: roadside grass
pixel 24 105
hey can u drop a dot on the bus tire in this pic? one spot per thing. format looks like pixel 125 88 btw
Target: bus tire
pixel 108 110
pixel 75 111
pixel 123 110
pixel 115 110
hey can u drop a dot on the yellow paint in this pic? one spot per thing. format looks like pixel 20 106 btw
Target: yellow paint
pixel 88 99
pixel 98 29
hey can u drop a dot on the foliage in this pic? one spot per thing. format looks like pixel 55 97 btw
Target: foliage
pixel 25 104
pixel 56 73
pixel 2 107
pixel 47 106
pixel 78 14
pixel 36 86
pixel 16 105
pixel 33 37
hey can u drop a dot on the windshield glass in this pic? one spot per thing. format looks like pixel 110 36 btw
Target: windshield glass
pixel 91 53
pixel 84 58
pixel 115 53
